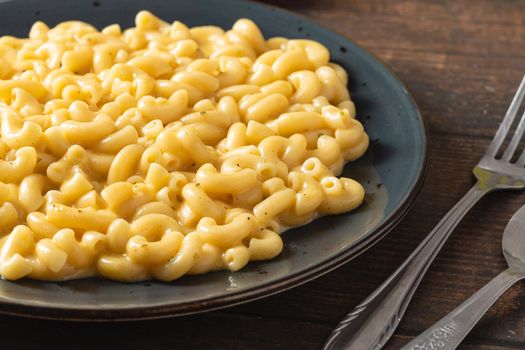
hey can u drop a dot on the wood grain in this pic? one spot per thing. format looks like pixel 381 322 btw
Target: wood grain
pixel 462 60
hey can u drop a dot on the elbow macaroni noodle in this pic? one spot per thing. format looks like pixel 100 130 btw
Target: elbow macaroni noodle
pixel 163 150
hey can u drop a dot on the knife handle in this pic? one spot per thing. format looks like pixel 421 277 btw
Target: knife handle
pixel 447 333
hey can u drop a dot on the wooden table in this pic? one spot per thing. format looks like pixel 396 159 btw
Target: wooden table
pixel 462 60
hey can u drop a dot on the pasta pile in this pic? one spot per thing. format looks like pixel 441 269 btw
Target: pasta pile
pixel 160 151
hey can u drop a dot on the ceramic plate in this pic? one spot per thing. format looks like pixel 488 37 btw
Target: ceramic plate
pixel 391 171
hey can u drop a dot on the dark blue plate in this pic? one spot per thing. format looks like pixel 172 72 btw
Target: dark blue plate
pixel 392 172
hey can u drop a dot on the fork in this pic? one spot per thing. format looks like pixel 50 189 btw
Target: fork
pixel 370 324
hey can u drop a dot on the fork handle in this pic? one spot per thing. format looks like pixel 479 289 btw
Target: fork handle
pixel 447 333
pixel 372 323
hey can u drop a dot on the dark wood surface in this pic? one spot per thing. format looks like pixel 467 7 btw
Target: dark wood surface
pixel 462 60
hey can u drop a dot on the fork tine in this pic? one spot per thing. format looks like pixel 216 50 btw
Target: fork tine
pixel 521 159
pixel 516 138
pixel 505 125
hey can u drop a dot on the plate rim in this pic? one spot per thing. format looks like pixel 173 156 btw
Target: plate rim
pixel 267 289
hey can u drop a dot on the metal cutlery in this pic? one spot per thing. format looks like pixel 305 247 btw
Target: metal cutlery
pixel 447 333
pixel 372 323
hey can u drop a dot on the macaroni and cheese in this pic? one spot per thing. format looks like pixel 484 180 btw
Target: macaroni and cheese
pixel 162 150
